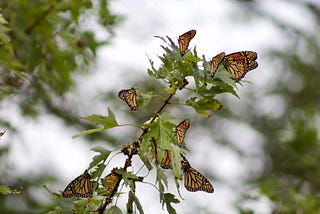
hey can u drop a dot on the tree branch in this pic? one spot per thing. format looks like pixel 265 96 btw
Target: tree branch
pixel 134 150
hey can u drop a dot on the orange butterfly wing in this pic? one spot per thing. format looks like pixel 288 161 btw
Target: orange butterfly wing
pixel 130 97
pixel 194 180
pixel 239 63
pixel 185 39
pixel 166 160
pixel 181 130
pixel 79 187
pixel 215 62
pixel 110 182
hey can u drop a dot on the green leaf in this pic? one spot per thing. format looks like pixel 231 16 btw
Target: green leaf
pixel 146 161
pixel 86 205
pixel 202 106
pixel 6 190
pixel 161 180
pixel 144 99
pixel 129 204
pixel 167 200
pixel 98 170
pixel 176 161
pixel 107 122
pixel 113 210
pixel 133 197
pixel 125 174
pixel 104 153
pixel 88 132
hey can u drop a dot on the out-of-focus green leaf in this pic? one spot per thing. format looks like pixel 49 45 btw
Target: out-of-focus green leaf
pixel 2 133
pixel 6 190
pixel 113 210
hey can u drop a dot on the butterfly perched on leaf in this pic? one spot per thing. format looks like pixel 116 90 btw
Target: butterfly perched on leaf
pixel 130 97
pixel 181 130
pixel 79 187
pixel 110 182
pixel 215 62
pixel 239 63
pixel 166 160
pixel 194 180
pixel 184 40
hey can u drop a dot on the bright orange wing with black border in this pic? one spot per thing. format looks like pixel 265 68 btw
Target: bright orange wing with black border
pixel 181 130
pixel 79 187
pixel 239 63
pixel 166 160
pixel 215 62
pixel 194 180
pixel 130 97
pixel 184 40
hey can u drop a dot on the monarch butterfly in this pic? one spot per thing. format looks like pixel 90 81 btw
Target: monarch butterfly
pixel 130 97
pixel 110 182
pixel 239 63
pixel 166 160
pixel 194 180
pixel 181 130
pixel 185 39
pixel 79 187
pixel 215 62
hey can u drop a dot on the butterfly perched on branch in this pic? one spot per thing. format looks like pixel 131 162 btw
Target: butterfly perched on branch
pixel 130 97
pixel 184 40
pixel 110 182
pixel 237 64
pixel 194 180
pixel 181 130
pixel 166 160
pixel 79 187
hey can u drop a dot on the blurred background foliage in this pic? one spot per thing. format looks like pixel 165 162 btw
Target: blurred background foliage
pixel 44 44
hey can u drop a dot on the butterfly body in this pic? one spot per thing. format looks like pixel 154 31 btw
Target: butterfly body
pixel 184 40
pixel 79 187
pixel 130 97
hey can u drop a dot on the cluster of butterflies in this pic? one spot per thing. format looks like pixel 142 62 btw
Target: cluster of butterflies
pixel 237 64
pixel 193 180
pixel 82 186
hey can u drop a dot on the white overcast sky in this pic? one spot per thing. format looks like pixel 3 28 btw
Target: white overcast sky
pixel 45 144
